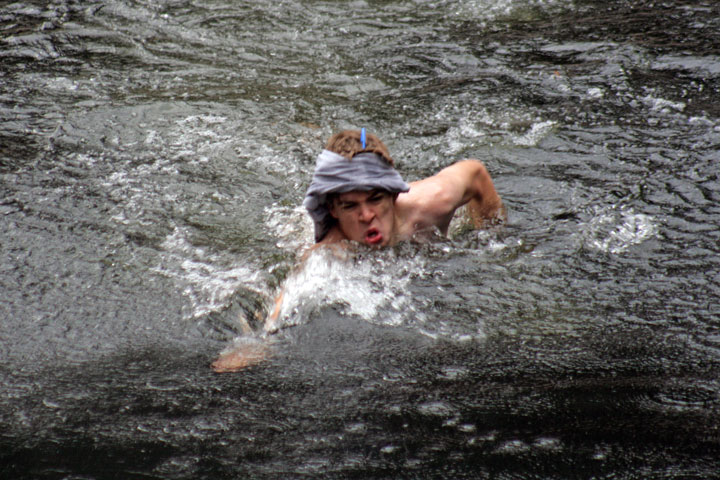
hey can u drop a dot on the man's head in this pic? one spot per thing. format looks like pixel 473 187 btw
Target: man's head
pixel 355 186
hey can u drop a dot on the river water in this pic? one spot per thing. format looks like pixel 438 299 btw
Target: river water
pixel 153 159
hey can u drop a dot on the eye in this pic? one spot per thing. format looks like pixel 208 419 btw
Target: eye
pixel 377 197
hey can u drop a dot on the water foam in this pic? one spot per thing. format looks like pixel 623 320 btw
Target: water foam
pixel 206 279
pixel 473 123
pixel 292 226
pixel 537 132
pixel 198 137
pixel 615 230
pixel 373 287
pixel 661 105
pixel 490 10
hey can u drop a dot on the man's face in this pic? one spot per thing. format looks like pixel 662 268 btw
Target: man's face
pixel 366 217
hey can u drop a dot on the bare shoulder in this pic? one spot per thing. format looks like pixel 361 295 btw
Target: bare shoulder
pixel 448 189
pixel 463 174
pixel 433 200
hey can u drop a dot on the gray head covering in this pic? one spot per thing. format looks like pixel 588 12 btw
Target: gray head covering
pixel 336 174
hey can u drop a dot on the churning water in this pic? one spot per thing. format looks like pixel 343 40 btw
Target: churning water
pixel 153 157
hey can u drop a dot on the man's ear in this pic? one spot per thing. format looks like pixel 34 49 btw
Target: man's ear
pixel 331 207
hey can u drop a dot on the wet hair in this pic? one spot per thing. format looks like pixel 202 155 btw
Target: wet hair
pixel 347 143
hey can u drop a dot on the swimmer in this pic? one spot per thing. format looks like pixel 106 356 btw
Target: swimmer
pixel 356 195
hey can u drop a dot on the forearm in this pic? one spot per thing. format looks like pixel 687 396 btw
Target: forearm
pixel 484 204
pixel 271 322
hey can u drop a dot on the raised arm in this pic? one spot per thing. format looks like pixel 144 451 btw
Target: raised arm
pixel 433 201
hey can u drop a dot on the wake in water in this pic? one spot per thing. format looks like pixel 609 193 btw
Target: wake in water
pixel 400 286
pixel 396 287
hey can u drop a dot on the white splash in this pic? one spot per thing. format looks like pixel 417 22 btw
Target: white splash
pixel 536 134
pixel 490 10
pixel 292 226
pixel 663 106
pixel 198 137
pixel 595 93
pixel 614 231
pixel 202 277
pixel 372 287
pixel 474 125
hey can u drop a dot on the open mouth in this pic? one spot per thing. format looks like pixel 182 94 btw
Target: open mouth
pixel 373 236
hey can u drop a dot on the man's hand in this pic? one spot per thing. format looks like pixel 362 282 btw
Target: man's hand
pixel 241 356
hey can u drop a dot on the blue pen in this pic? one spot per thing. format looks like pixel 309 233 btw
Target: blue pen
pixel 362 137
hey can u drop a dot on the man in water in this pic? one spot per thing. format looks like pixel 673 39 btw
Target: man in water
pixel 356 195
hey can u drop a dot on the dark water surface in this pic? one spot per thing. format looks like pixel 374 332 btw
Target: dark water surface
pixel 153 157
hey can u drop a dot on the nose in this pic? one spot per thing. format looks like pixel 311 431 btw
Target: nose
pixel 366 213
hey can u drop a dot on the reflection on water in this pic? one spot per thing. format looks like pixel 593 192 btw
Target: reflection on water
pixel 153 157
